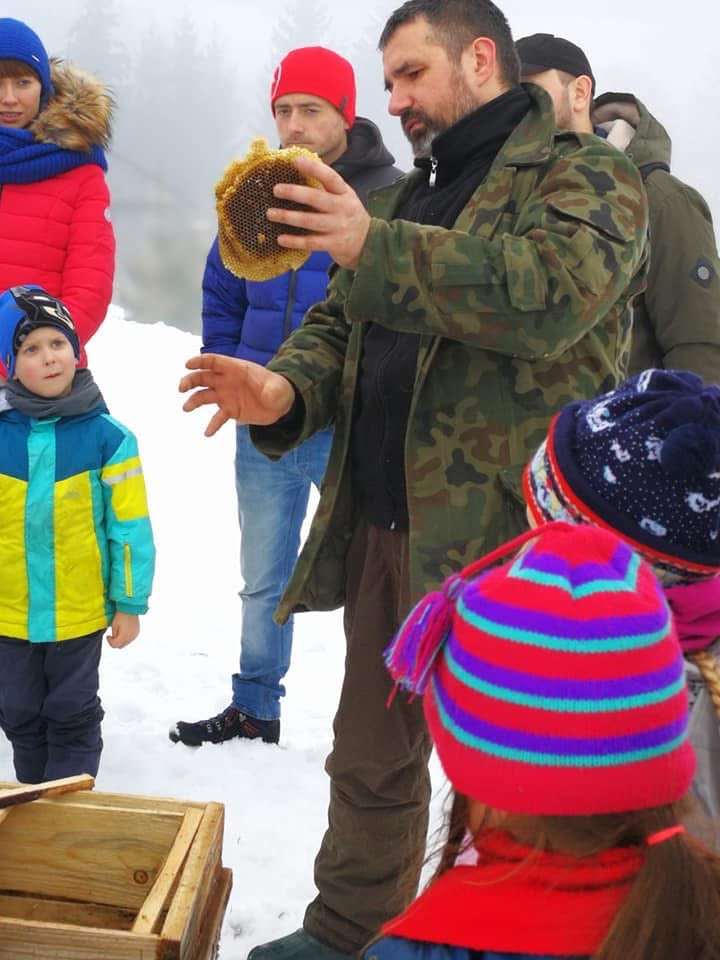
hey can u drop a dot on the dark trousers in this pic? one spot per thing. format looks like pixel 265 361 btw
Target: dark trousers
pixel 50 710
pixel 379 780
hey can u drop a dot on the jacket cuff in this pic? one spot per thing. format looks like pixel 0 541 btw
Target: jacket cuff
pixel 125 606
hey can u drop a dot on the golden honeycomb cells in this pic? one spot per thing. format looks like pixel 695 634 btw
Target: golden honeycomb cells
pixel 246 238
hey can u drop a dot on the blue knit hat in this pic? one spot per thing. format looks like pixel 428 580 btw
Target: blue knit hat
pixel 19 42
pixel 643 460
pixel 23 309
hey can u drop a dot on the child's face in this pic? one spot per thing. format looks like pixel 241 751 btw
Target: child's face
pixel 45 363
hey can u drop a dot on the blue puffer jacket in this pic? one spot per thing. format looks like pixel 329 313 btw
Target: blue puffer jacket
pixel 248 319
pixel 398 948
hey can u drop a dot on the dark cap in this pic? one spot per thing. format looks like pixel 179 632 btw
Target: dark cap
pixel 545 51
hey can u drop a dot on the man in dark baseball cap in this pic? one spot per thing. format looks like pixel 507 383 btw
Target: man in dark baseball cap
pixel 545 51
pixel 563 69
pixel 676 321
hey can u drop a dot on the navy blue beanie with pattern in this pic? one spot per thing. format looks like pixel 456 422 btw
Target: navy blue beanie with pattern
pixel 643 460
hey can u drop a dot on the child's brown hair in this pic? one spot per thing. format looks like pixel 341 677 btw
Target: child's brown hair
pixel 673 908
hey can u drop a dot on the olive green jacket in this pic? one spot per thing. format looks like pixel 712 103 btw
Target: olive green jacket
pixel 520 308
pixel 676 322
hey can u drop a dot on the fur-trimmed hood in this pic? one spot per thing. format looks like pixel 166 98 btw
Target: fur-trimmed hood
pixel 78 115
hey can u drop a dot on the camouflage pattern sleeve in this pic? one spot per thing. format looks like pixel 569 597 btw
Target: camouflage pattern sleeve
pixel 525 279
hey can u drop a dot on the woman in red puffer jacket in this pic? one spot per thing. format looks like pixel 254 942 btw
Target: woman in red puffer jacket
pixel 55 228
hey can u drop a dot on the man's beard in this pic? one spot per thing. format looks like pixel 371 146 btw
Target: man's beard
pixel 463 104
pixel 421 139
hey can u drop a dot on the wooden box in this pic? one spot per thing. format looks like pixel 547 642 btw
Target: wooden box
pixel 107 876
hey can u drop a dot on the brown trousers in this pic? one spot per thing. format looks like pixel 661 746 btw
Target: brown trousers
pixel 369 861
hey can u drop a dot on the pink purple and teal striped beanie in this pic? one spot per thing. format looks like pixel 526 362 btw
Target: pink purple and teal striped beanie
pixel 553 683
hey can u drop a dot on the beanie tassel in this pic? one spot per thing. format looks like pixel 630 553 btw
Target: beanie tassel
pixel 412 652
pixel 410 656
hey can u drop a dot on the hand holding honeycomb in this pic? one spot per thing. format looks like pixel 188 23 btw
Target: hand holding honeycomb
pixel 246 238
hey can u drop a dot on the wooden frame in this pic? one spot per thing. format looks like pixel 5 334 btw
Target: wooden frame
pixel 104 876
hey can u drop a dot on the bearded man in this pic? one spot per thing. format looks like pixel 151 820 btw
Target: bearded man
pixel 477 296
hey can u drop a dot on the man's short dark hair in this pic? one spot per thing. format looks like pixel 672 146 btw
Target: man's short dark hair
pixel 455 24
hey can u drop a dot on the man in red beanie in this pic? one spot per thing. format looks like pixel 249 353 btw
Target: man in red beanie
pixel 312 97
pixel 313 101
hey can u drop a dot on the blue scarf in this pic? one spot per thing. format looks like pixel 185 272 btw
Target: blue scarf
pixel 23 160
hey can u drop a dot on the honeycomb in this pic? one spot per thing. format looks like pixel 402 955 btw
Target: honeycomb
pixel 247 240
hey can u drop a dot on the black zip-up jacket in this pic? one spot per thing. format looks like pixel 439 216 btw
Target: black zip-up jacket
pixel 460 161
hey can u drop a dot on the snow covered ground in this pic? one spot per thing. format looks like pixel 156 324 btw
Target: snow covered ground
pixel 179 668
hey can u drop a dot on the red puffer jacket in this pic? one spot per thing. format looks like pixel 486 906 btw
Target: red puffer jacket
pixel 56 233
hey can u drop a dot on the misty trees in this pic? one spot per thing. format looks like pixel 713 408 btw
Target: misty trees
pixel 176 114
pixel 304 24
pixel 93 44
pixel 185 108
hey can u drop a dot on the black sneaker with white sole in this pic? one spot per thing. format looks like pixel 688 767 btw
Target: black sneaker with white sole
pixel 228 725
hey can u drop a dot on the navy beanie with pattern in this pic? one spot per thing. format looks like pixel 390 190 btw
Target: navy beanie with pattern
pixel 19 42
pixel 643 460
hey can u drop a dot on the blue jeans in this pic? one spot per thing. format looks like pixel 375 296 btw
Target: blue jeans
pixel 272 501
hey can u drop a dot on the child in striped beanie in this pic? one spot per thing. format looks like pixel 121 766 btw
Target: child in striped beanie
pixel 644 460
pixel 554 694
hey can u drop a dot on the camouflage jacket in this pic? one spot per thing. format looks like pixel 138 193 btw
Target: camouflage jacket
pixel 521 308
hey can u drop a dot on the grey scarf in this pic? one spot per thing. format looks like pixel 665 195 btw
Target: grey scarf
pixel 84 396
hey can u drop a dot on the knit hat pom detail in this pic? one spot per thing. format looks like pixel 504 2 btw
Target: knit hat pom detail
pixel 411 655
pixel 690 451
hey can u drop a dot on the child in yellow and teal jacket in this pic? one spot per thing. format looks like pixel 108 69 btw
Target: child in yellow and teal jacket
pixel 76 546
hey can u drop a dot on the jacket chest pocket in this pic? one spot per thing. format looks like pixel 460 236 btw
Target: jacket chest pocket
pixel 495 206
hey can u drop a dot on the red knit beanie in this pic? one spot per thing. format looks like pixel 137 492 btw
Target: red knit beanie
pixel 319 72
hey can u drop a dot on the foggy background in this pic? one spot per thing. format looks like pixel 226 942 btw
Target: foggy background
pixel 192 84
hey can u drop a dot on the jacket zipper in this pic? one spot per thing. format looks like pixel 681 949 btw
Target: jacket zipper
pixel 433 171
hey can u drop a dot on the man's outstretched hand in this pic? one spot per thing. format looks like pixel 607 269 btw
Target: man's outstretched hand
pixel 243 391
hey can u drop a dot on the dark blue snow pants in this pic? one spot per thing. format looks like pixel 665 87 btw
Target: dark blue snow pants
pixel 50 710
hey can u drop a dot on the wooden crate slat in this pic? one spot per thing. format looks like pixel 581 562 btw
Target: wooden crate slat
pixel 27 940
pixel 101 856
pixel 27 792
pixel 120 801
pixel 64 911
pixel 167 878
pixel 200 871
pixel 213 913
